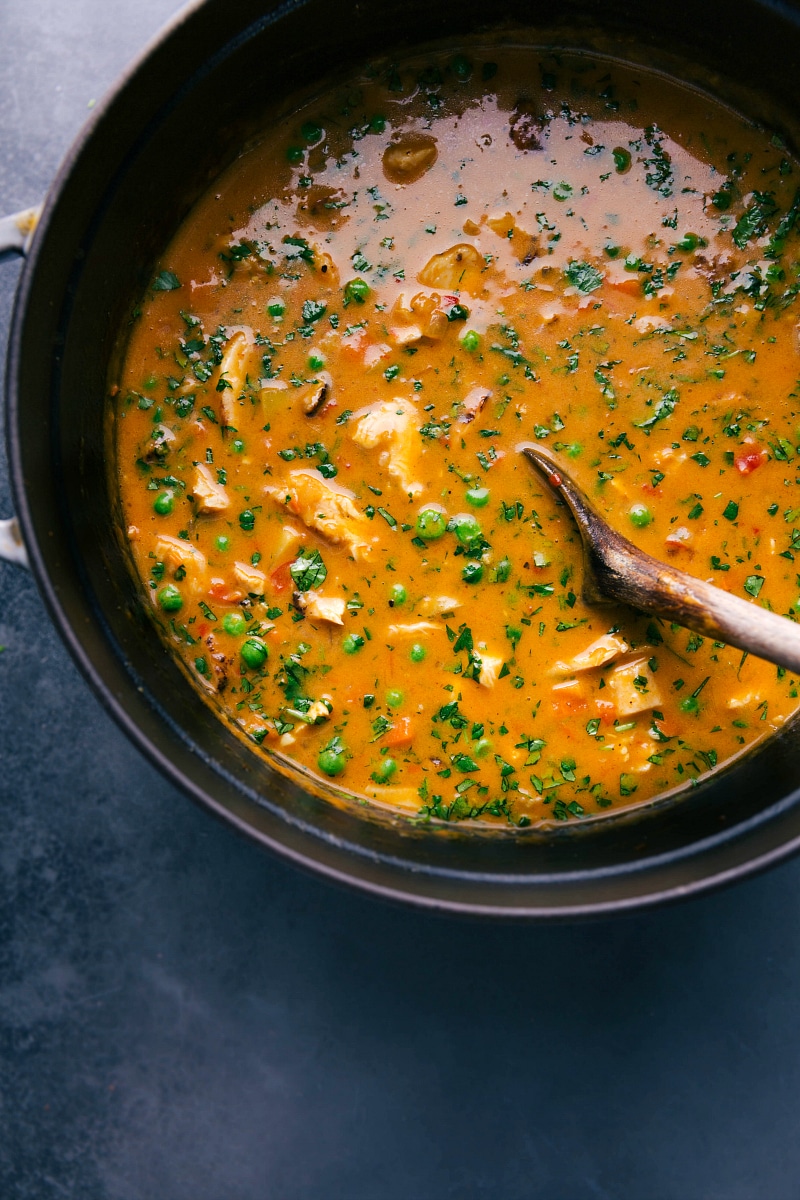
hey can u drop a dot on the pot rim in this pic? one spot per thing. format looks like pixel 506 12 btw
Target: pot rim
pixel 692 855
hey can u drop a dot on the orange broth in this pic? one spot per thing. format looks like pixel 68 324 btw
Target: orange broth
pixel 321 397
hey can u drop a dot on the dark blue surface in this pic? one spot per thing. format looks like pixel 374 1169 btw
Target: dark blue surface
pixel 185 1018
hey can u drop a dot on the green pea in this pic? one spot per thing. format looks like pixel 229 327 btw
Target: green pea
pixel 384 772
pixel 478 497
pixel 465 527
pixel 472 572
pixel 276 308
pixel 247 519
pixel 622 159
pixel 471 341
pixel 222 542
pixel 356 291
pixel 612 250
pixel 169 598
pixel 331 762
pixel 315 362
pixel 352 643
pixel 237 446
pixel 417 652
pixel 689 241
pixel 394 697
pixel 431 524
pixel 311 132
pixel 690 705
pixel 462 68
pixel 482 747
pixel 377 123
pixel 234 623
pixel 254 653
pixel 295 154
pixel 722 199
pixel 640 515
pixel 397 595
pixel 164 503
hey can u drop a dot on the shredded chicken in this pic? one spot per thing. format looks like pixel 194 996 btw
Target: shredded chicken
pixel 634 688
pixel 604 650
pixel 490 670
pixel 250 577
pixel 392 424
pixel 435 606
pixel 209 495
pixel 415 629
pixel 233 371
pixel 328 510
pixel 323 608
pixel 175 552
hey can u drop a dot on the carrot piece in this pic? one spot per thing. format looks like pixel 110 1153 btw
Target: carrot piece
pixel 401 735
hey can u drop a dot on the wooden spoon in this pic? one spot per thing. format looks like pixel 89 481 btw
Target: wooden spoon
pixel 615 570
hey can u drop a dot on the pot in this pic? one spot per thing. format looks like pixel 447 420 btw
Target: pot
pixel 177 117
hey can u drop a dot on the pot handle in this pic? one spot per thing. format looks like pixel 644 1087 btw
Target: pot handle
pixel 16 232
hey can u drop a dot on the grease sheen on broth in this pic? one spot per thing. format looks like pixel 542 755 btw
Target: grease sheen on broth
pixel 316 420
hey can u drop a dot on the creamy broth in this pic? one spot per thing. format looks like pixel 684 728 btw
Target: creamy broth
pixel 324 387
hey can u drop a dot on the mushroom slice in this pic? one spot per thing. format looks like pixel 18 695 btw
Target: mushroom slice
pixel 634 688
pixel 209 496
pixel 250 577
pixel 491 666
pixel 233 371
pixel 312 400
pixel 473 403
pixel 392 424
pixel 408 158
pixel 321 608
pixel 458 269
pixel 604 650
pixel 328 510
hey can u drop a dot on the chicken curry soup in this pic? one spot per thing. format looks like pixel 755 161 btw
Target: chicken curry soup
pixel 326 382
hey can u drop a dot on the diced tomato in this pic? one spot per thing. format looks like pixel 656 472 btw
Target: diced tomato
pixel 606 711
pixel 220 589
pixel 281 577
pixel 565 703
pixel 629 286
pixel 202 630
pixel 746 463
pixel 401 735
pixel 668 728
pixel 651 491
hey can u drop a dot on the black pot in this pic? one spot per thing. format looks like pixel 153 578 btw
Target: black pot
pixel 175 119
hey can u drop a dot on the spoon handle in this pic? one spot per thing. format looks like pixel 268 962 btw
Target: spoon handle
pixel 633 577
pixel 618 570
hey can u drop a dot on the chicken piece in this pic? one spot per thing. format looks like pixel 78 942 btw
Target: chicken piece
pixel 175 552
pixel 568 698
pixel 604 650
pixel 458 269
pixel 327 509
pixel 634 688
pixel 436 606
pixel 160 444
pixel 321 608
pixel 250 577
pixel 524 246
pixel 233 370
pixel 393 425
pixel 209 496
pixel 414 629
pixel 490 669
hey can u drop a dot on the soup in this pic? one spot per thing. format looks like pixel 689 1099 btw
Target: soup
pixel 322 394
